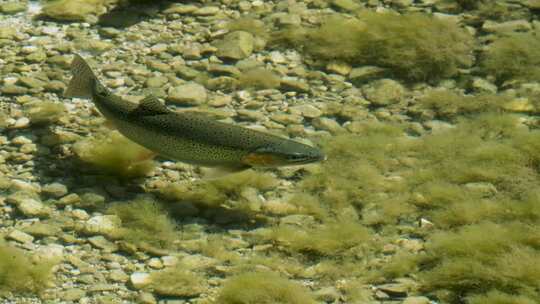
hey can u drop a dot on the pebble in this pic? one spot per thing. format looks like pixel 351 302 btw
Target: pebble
pixel 306 110
pixel 33 208
pixel 12 89
pixel 156 82
pixel 12 7
pixel 155 263
pixel 70 199
pixel 181 9
pixel 20 236
pixel 197 261
pixel 327 124
pixel 294 85
pixel 188 94
pixel 384 92
pixel 22 122
pixel 416 300
pixel 52 252
pixel 146 298
pixel 206 11
pixel 287 118
pixel 508 26
pixel 339 68
pixel 102 224
pixel 118 275
pixel 73 294
pixel 139 279
pixel 54 190
pixel 235 45
pixel 481 85
pixel 169 260
pixel 394 289
pixel 101 242
pixel 41 229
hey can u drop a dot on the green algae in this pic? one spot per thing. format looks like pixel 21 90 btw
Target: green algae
pixel 497 297
pixel 20 274
pixel 145 222
pixel 113 154
pixel 218 191
pixel 74 10
pixel 471 261
pixel 513 57
pixel 177 281
pixel 259 78
pixel 262 288
pixel 450 105
pixel 330 239
pixel 45 112
pixel 479 176
pixel 251 25
pixel 409 45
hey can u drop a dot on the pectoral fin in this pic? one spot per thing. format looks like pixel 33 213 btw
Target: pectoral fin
pixel 150 106
pixel 219 172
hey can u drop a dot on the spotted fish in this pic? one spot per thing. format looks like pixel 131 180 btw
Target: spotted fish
pixel 188 137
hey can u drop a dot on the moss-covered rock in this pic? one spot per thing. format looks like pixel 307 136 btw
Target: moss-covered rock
pixel 513 57
pixel 145 222
pixel 19 274
pixel 410 45
pixel 75 10
pixel 262 288
pixel 114 154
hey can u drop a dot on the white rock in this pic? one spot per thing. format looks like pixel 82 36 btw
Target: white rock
pixel 139 279
pixel 80 214
pixel 189 93
pixel 19 185
pixel 31 208
pixel 50 252
pixel 102 224
pixel 20 236
pixel 169 260
pixel 22 122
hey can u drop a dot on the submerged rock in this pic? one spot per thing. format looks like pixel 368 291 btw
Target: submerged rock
pixel 12 7
pixel 384 92
pixel 236 45
pixel 188 94
pixel 74 10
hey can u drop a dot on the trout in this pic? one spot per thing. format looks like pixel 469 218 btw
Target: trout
pixel 188 137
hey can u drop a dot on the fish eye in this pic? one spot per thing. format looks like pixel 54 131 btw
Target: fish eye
pixel 101 91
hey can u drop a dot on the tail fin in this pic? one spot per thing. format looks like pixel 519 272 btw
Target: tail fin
pixel 83 81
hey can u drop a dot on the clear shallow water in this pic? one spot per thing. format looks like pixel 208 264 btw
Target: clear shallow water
pixel 418 171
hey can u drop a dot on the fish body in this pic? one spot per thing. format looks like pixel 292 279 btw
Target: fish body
pixel 188 137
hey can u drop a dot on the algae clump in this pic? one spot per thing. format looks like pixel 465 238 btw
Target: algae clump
pixel 114 154
pixel 19 274
pixel 259 79
pixel 262 288
pixel 249 24
pixel 45 112
pixel 145 222
pixel 218 191
pixel 513 57
pixel 177 282
pixel 327 240
pixel 450 105
pixel 471 261
pixel 410 45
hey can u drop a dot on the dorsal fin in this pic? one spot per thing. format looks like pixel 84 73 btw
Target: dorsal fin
pixel 150 105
